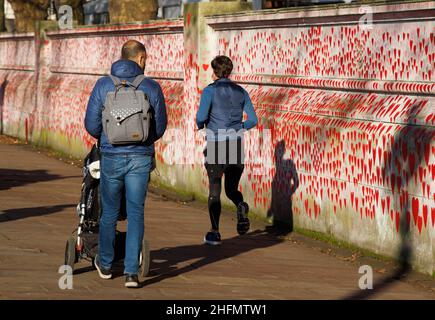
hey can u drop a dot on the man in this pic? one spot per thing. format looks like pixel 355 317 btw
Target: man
pixel 124 167
pixel 221 111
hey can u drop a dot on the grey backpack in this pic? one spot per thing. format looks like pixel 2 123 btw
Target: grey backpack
pixel 126 113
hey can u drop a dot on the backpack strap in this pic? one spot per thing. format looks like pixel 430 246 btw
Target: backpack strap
pixel 137 81
pixel 115 80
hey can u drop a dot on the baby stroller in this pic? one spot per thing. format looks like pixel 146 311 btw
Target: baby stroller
pixel 83 243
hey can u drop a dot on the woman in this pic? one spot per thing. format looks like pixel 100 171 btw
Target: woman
pixel 221 112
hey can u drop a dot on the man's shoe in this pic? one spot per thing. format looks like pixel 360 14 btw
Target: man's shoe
pixel 213 238
pixel 131 281
pixel 243 223
pixel 104 273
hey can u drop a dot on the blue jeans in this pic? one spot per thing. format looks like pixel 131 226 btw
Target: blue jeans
pixel 132 172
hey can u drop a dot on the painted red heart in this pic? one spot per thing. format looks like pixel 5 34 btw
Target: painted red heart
pixel 189 15
pixel 415 205
pixel 420 224
pixel 397 221
pixel 425 213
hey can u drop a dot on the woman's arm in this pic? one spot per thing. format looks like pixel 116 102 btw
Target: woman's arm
pixel 249 109
pixel 204 108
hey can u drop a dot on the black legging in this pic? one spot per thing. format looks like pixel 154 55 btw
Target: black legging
pixel 233 174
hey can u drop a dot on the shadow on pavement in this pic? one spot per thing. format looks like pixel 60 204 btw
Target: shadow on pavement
pixel 11 178
pixel 164 261
pixel 22 213
pixel 400 274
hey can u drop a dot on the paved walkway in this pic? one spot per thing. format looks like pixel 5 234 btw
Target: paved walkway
pixel 38 195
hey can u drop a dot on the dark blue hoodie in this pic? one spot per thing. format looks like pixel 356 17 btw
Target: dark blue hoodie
pixel 221 108
pixel 126 70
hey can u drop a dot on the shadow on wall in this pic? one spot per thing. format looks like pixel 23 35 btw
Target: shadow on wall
pixel 407 154
pixel 2 100
pixel 284 185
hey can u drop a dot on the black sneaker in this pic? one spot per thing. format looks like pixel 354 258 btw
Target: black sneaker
pixel 243 223
pixel 213 238
pixel 131 281
pixel 104 273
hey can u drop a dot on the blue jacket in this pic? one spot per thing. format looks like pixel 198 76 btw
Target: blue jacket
pixel 126 70
pixel 221 108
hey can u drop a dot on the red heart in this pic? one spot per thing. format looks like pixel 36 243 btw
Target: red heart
pixel 426 153
pixel 205 67
pixel 188 19
pixel 425 212
pixel 397 221
pixel 420 224
pixel 412 163
pixel 415 206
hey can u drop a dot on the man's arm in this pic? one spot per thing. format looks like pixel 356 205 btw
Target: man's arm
pixel 204 108
pixel 249 109
pixel 160 113
pixel 93 122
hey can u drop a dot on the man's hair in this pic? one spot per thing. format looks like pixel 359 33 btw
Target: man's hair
pixel 131 49
pixel 222 66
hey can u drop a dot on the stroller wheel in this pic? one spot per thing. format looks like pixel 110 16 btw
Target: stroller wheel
pixel 144 259
pixel 71 256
